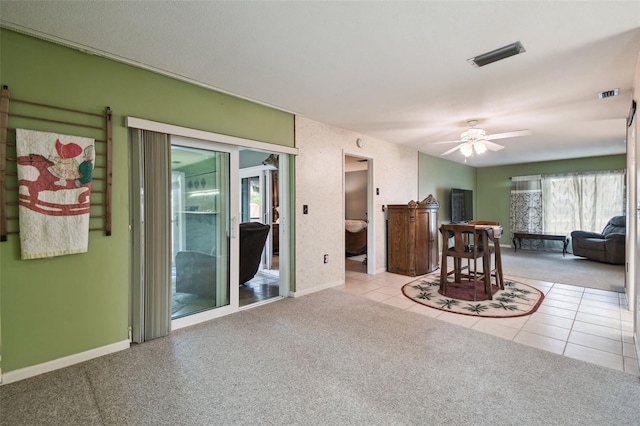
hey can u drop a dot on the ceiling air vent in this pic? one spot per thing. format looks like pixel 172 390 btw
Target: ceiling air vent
pixel 497 55
pixel 608 93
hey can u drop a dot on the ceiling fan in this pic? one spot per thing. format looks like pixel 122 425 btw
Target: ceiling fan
pixel 476 140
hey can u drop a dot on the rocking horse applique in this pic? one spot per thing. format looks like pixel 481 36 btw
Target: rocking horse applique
pixel 62 173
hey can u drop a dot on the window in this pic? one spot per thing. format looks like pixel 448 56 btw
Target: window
pixel 561 203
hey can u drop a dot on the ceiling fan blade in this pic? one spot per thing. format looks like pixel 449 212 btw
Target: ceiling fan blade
pixel 439 143
pixel 508 134
pixel 450 151
pixel 492 146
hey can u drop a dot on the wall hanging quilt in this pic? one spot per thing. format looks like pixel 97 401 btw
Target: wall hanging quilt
pixel 54 184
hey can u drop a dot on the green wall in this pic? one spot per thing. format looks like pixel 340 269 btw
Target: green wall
pixel 51 308
pixel 494 186
pixel 437 176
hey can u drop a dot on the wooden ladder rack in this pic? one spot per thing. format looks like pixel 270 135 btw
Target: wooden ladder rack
pixel 29 114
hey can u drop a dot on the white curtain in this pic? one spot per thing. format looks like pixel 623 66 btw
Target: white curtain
pixel 582 201
pixel 559 204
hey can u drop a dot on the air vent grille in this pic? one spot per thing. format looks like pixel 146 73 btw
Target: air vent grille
pixel 497 55
pixel 608 93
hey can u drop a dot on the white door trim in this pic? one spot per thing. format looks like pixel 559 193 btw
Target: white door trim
pixel 171 129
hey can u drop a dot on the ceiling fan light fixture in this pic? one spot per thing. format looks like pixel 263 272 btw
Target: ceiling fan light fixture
pixel 473 134
pixel 497 54
pixel 466 149
pixel 480 147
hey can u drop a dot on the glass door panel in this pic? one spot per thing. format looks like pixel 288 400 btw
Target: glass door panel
pixel 200 220
pixel 251 198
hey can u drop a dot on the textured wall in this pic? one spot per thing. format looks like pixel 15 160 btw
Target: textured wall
pixel 319 184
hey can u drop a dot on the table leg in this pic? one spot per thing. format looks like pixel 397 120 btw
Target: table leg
pixel 499 277
pixel 457 268
pixel 443 271
pixel 486 266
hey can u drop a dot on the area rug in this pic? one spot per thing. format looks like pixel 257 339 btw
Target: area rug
pixel 516 300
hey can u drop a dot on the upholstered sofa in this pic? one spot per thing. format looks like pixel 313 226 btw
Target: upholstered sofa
pixel 608 246
pixel 196 273
pixel 253 236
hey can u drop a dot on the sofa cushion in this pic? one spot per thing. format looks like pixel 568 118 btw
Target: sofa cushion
pixel 617 225
pixel 590 243
pixel 585 234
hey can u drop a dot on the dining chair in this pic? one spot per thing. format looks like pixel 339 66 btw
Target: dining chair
pixel 494 232
pixel 470 243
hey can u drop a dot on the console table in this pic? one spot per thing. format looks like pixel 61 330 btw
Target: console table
pixel 519 236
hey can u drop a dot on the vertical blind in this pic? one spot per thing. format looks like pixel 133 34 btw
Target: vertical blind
pixel 151 235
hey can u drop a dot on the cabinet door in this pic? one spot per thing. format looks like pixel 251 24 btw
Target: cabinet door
pixel 398 241
pixel 426 241
pixel 423 243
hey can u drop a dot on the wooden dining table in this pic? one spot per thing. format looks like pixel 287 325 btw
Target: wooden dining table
pixel 485 232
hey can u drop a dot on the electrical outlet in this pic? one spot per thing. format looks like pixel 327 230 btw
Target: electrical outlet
pixel 326 258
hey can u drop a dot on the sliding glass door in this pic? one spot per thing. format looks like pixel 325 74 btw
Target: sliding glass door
pixel 187 230
pixel 200 213
pixel 184 242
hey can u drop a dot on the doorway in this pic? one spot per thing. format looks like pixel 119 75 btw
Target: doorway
pixel 260 202
pixel 359 247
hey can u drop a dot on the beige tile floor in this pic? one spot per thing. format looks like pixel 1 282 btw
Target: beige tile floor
pixel 582 323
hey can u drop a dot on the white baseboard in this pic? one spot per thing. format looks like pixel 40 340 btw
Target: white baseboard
pixel 56 364
pixel 315 289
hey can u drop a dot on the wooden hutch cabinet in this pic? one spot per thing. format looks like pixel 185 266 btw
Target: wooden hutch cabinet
pixel 412 237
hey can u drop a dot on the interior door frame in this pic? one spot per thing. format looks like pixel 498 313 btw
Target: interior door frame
pixel 266 205
pixel 371 217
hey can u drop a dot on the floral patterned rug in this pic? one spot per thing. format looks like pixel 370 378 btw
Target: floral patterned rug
pixel 517 299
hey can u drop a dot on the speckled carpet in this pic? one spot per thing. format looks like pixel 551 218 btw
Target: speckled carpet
pixel 328 358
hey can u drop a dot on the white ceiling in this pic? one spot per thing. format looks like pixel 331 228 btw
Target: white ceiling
pixel 395 71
